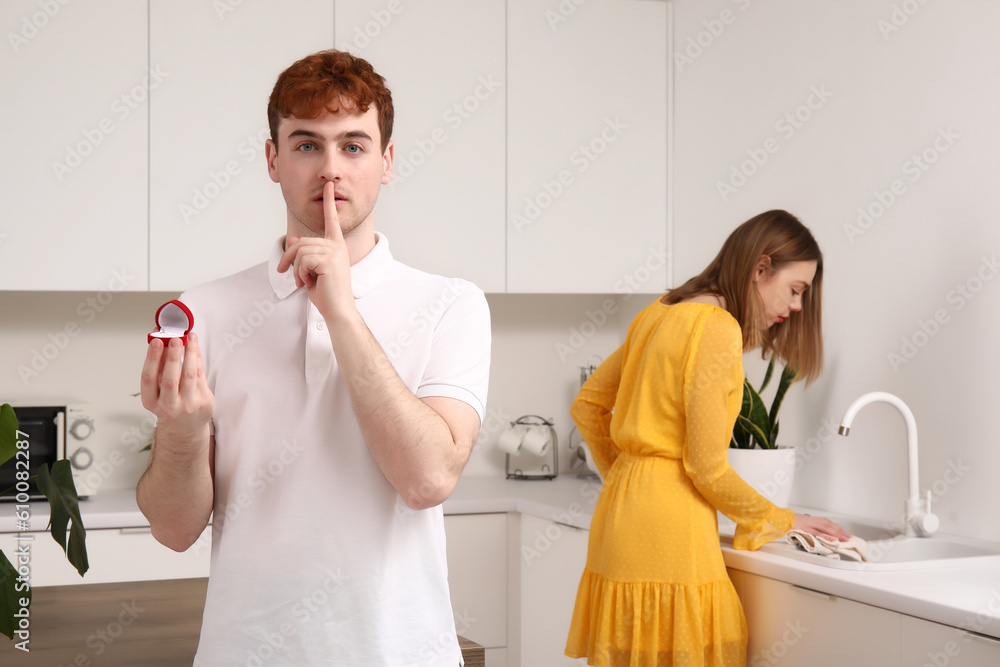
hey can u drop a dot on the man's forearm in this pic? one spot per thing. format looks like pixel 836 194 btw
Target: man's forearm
pixel 411 443
pixel 176 493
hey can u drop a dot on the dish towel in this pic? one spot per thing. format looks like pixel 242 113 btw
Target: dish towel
pixel 853 549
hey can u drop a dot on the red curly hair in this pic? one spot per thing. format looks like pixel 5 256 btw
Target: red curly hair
pixel 330 81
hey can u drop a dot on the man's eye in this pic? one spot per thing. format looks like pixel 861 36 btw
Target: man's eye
pixel 353 148
pixel 307 147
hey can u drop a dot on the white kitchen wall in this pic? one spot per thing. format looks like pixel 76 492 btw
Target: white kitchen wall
pixel 875 123
pixel 539 343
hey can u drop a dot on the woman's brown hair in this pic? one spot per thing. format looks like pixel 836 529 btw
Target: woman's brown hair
pixel 781 237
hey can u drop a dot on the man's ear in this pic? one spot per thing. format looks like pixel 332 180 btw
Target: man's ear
pixel 271 153
pixel 388 157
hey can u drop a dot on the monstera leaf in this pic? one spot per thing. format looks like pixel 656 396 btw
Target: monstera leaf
pixel 8 433
pixel 64 504
pixel 11 596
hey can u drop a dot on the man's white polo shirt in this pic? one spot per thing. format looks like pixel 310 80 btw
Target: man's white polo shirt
pixel 316 560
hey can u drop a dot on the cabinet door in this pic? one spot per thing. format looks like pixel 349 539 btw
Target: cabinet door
pixel 76 80
pixel 790 625
pixel 444 63
pixel 587 147
pixel 115 554
pixel 737 578
pixel 927 643
pixel 477 576
pixel 213 209
pixel 551 561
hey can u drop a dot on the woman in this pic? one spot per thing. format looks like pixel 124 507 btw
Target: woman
pixel 658 416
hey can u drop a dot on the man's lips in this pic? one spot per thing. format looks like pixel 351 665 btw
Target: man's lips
pixel 337 197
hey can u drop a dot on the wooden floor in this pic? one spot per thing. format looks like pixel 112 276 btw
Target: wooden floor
pixel 132 624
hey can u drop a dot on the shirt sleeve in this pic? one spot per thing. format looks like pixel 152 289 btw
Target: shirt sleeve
pixel 459 364
pixel 713 392
pixel 592 410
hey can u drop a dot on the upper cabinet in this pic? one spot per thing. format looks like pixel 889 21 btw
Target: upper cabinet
pixel 444 62
pixel 77 84
pixel 587 146
pixel 213 210
pixel 530 140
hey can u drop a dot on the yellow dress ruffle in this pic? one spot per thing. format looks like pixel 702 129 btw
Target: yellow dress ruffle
pixel 644 624
pixel 657 416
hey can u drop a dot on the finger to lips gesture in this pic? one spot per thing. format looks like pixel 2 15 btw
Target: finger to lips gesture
pixel 322 265
pixel 174 387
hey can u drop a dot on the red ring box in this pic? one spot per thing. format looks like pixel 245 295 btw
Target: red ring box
pixel 175 321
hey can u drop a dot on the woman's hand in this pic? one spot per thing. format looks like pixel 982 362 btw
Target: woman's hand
pixel 817 525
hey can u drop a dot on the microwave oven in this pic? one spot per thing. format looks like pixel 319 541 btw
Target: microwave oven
pixel 54 432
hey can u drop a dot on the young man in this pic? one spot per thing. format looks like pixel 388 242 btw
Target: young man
pixel 324 458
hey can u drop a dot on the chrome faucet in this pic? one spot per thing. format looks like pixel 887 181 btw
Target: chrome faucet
pixel 920 522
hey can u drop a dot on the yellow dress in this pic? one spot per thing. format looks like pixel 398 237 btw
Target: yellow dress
pixel 655 592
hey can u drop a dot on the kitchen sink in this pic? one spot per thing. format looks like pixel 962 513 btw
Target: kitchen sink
pixel 889 550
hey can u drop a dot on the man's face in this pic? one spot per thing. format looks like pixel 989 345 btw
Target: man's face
pixel 345 148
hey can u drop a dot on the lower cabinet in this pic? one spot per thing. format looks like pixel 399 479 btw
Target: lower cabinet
pixel 737 578
pixel 477 577
pixel 115 554
pixel 793 626
pixel 550 561
pixel 927 644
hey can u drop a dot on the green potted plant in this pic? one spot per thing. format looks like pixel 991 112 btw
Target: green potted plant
pixel 753 451
pixel 64 507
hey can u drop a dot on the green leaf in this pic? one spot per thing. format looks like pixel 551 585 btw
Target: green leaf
pixel 758 435
pixel 10 597
pixel 787 377
pixel 8 433
pixel 755 418
pixel 64 504
pixel 741 436
pixel 767 376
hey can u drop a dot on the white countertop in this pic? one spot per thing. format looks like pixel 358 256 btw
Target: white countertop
pixel 967 597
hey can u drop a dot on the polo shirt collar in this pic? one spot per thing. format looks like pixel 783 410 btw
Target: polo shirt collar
pixel 365 274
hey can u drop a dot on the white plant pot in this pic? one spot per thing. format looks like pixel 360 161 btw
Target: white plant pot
pixel 769 471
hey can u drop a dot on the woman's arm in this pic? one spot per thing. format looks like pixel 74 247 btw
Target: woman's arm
pixel 591 410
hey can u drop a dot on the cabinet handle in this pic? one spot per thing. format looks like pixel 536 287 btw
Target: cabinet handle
pixel 809 591
pixel 138 530
pixel 983 638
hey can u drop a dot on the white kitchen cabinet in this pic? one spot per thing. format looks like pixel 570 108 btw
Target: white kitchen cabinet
pixel 587 147
pixel 444 62
pixel 77 80
pixel 790 625
pixel 552 558
pixel 477 577
pixel 114 554
pixel 737 578
pixel 213 210
pixel 926 643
